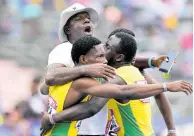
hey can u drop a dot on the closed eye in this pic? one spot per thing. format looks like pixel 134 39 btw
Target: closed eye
pixel 101 55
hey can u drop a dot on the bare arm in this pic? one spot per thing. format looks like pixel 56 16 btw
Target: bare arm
pixel 132 92
pixel 78 112
pixel 58 74
pixel 142 62
pixel 120 91
pixel 44 88
pixel 81 111
pixel 163 104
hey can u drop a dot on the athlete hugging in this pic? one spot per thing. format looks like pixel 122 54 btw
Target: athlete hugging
pixel 101 89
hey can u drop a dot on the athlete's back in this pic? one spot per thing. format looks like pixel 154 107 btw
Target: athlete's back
pixel 134 116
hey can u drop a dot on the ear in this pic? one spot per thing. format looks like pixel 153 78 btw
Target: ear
pixel 133 61
pixel 119 57
pixel 83 59
pixel 66 30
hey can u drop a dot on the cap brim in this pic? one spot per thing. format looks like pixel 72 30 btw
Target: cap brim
pixel 93 17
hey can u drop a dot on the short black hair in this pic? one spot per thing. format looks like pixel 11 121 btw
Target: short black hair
pixel 82 46
pixel 121 30
pixel 127 46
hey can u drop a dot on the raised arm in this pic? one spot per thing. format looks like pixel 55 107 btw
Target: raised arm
pixel 164 106
pixel 135 91
pixel 142 62
pixel 58 74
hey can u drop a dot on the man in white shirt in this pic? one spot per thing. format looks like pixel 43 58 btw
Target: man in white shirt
pixel 77 21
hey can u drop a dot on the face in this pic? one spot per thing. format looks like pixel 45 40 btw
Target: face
pixel 95 55
pixel 80 25
pixel 110 47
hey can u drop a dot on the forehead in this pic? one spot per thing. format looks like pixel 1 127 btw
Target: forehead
pixel 113 40
pixel 98 49
pixel 80 13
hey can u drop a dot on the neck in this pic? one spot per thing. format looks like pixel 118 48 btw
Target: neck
pixel 120 64
pixel 71 40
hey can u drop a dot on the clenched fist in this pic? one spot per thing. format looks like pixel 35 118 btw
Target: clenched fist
pixel 45 124
pixel 156 62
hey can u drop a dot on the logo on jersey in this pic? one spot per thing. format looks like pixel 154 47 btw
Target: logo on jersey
pixel 52 106
pixel 145 100
pixel 78 124
pixel 112 127
pixel 141 82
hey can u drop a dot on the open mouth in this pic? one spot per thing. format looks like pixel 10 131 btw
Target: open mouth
pixel 88 30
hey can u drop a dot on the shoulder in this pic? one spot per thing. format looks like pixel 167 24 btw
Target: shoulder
pixel 61 54
pixel 84 82
pixel 117 80
pixel 63 47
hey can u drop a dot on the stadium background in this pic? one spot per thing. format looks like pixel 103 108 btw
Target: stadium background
pixel 28 32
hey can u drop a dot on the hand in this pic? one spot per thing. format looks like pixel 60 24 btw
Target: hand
pixel 171 134
pixel 45 124
pixel 180 86
pixel 156 62
pixel 99 71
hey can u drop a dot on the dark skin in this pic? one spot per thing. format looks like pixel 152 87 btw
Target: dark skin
pixel 83 86
pixel 163 104
pixel 161 99
pixel 57 74
pixel 78 26
pixel 96 55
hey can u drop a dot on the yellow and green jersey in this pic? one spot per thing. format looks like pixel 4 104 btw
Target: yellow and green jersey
pixel 57 96
pixel 132 118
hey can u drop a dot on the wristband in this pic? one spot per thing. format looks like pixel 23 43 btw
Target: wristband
pixel 172 131
pixel 51 119
pixel 164 87
pixel 150 62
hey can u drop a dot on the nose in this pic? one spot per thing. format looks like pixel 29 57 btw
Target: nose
pixel 86 20
pixel 105 61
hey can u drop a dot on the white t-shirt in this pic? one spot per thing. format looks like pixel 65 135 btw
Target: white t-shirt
pixel 96 124
pixel 61 54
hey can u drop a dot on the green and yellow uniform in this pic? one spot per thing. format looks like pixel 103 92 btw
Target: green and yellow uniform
pixel 57 96
pixel 134 117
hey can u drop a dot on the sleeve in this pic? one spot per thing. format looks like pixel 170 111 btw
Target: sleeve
pixel 60 54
